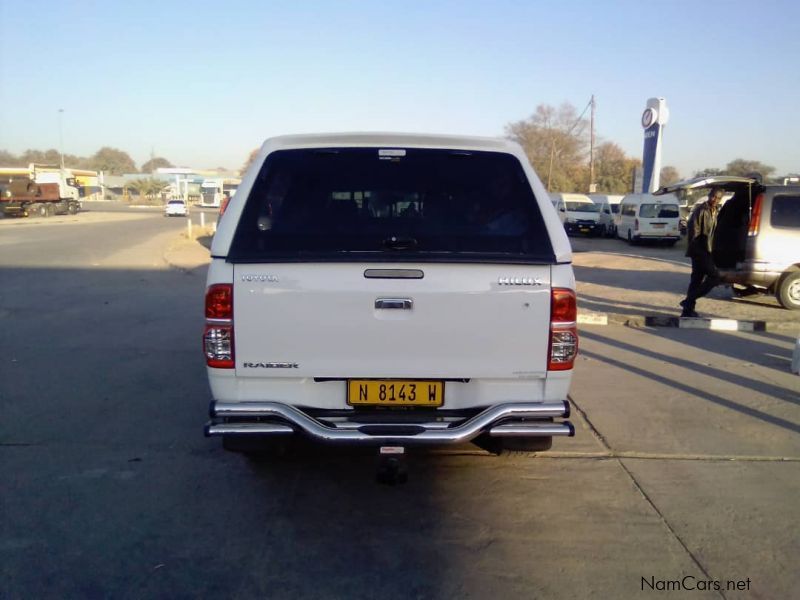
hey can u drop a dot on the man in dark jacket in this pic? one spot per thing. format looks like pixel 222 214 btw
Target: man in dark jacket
pixel 705 275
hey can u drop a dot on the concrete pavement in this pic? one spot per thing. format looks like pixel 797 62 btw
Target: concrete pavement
pixel 684 468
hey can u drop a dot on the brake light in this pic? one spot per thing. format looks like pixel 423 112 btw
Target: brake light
pixel 218 343
pixel 755 218
pixel 563 330
pixel 636 224
pixel 224 205
pixel 219 301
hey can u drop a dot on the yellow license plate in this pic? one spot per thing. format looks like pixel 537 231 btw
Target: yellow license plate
pixel 393 392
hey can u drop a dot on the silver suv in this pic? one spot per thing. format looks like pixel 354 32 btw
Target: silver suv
pixel 757 238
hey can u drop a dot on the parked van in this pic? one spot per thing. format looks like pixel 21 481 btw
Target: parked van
pixel 578 213
pixel 757 236
pixel 609 209
pixel 649 217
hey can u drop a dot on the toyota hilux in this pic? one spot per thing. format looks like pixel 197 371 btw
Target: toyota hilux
pixel 391 290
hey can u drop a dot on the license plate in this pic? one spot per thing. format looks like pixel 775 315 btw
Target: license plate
pixel 584 230
pixel 393 392
pixel 658 225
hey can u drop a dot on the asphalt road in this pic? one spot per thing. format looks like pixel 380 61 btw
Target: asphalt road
pixel 686 466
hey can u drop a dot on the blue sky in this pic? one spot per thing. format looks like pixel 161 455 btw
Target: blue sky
pixel 202 83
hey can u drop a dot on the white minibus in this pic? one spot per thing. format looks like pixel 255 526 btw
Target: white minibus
pixel 578 213
pixel 609 209
pixel 648 217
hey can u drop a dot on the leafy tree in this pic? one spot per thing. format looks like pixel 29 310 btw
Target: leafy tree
pixel 9 160
pixel 156 163
pixel 148 187
pixel 46 157
pixel 613 170
pixel 745 168
pixel 554 139
pixel 112 161
pixel 669 175
pixel 709 172
pixel 250 158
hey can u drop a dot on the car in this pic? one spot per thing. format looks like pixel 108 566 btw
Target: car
pixel 175 208
pixel 647 217
pixel 757 236
pixel 609 209
pixel 579 214
pixel 390 290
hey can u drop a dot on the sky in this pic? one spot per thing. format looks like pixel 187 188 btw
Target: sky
pixel 202 83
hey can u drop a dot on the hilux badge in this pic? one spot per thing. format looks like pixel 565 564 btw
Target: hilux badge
pixel 519 281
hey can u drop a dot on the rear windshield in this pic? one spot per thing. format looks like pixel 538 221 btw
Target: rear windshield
pixel 659 211
pixel 391 204
pixel 583 207
pixel 785 211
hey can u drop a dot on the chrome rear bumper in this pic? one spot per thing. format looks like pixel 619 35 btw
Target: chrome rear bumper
pixel 530 419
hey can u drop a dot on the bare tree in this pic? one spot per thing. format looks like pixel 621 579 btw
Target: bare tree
pixel 669 175
pixel 555 141
pixel 250 158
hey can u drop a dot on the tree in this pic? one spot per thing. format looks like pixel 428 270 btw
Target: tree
pixel 10 160
pixel 709 172
pixel 148 187
pixel 250 158
pixel 669 175
pixel 613 169
pixel 156 163
pixel 555 142
pixel 745 168
pixel 112 161
pixel 48 157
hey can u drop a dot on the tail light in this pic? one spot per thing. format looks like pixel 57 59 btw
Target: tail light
pixel 755 217
pixel 218 335
pixel 224 205
pixel 636 224
pixel 563 330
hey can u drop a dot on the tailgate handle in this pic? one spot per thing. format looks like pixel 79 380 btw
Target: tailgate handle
pixel 400 303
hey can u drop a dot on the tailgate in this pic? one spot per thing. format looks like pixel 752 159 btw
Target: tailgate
pixel 457 321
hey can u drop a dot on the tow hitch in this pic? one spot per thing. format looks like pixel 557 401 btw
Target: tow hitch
pixel 392 468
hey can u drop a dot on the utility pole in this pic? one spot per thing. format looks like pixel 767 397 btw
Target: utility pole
pixel 592 186
pixel 61 136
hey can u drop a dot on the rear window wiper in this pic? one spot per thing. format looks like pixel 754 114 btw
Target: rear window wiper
pixel 399 243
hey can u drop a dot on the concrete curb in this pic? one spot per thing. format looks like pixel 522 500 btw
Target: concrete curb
pixel 704 323
pixel 592 319
pixel 684 323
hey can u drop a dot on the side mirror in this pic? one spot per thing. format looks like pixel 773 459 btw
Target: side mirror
pixel 562 210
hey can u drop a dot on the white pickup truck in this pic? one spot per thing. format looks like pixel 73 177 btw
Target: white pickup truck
pixel 391 290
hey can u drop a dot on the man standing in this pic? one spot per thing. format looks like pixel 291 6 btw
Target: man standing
pixel 700 232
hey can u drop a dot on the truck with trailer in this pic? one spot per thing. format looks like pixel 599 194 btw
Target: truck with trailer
pixel 39 191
